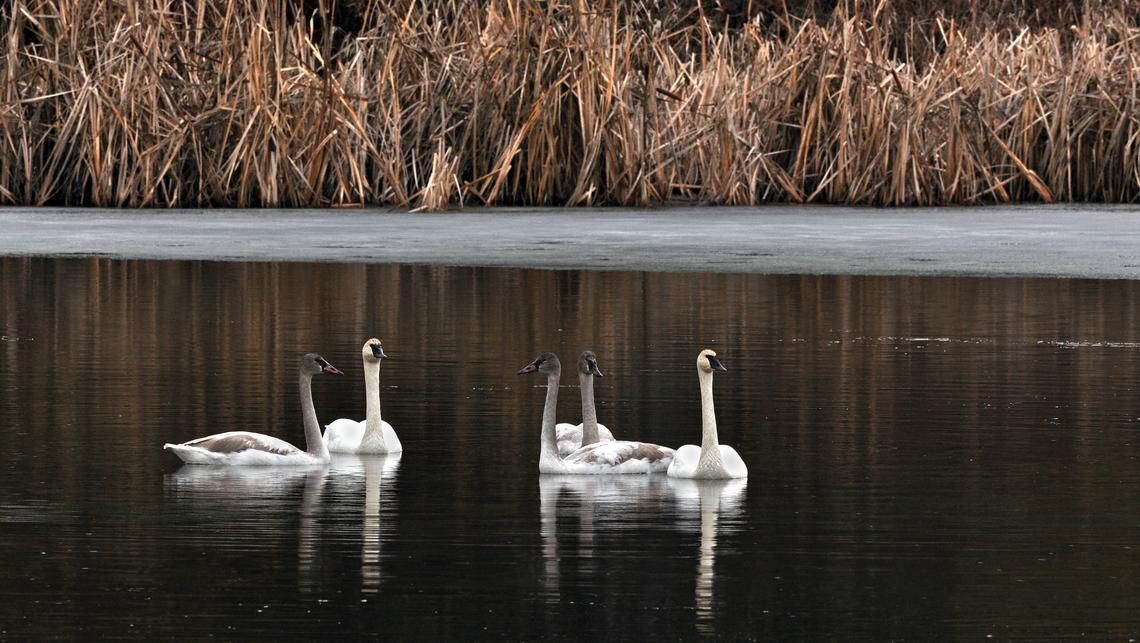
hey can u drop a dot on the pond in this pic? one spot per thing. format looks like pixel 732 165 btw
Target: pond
pixel 929 457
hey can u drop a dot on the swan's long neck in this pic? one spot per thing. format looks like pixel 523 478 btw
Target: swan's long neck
pixel 372 429
pixel 314 445
pixel 710 446
pixel 589 413
pixel 549 441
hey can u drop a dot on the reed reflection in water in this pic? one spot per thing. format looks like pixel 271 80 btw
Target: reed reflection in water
pixel 929 458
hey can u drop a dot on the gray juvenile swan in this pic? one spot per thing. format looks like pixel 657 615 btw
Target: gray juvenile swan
pixel 244 447
pixel 619 456
pixel 571 437
pixel 371 436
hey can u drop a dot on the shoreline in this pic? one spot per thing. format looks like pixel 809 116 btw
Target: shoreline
pixel 1067 241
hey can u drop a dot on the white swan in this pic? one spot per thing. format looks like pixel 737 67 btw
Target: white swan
pixel 619 456
pixel 244 447
pixel 372 436
pixel 571 437
pixel 712 460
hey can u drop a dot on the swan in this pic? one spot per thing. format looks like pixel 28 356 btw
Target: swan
pixel 371 436
pixel 619 456
pixel 244 447
pixel 712 460
pixel 571 437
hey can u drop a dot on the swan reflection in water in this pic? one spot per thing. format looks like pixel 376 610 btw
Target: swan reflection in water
pixel 248 505
pixel 619 501
pixel 252 504
pixel 710 500
pixel 378 474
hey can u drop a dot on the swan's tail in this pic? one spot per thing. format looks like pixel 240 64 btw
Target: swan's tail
pixel 189 454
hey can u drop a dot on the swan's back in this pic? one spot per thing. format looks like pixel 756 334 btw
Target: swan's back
pixel 619 456
pixel 238 448
pixel 569 437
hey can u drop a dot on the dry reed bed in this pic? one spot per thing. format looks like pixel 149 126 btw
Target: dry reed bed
pixel 161 103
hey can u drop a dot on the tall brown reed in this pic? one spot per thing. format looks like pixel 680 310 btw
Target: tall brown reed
pixel 422 104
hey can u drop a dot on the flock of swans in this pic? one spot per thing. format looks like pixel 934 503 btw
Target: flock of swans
pixel 587 448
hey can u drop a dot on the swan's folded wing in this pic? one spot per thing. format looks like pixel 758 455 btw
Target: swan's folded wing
pixel 238 441
pixel 569 437
pixel 733 463
pixel 615 453
pixel 685 460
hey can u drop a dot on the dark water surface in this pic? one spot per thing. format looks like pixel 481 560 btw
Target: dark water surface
pixel 930 458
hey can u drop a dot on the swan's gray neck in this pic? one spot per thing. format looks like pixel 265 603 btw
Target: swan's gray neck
pixel 373 433
pixel 589 413
pixel 314 445
pixel 549 441
pixel 710 446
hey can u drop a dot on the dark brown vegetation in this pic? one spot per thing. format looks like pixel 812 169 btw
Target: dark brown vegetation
pixel 427 104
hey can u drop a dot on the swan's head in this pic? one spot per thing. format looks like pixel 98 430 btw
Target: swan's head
pixel 313 364
pixel 588 364
pixel 547 363
pixel 373 351
pixel 707 362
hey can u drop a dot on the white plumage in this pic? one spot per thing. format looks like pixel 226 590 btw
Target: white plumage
pixel 371 436
pixel 711 460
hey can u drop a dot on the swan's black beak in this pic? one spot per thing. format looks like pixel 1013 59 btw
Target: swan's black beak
pixel 594 368
pixel 529 368
pixel 715 364
pixel 378 351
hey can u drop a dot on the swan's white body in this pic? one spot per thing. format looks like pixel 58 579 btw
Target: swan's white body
pixel 711 460
pixel 620 456
pixel 350 436
pixel 247 448
pixel 371 436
